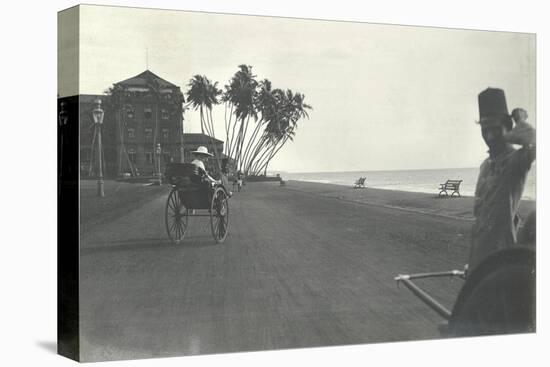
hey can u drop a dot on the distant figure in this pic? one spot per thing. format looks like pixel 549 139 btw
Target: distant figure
pixel 224 174
pixel 239 180
pixel 201 155
pixel 502 176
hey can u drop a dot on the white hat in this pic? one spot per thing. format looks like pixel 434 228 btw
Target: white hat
pixel 202 150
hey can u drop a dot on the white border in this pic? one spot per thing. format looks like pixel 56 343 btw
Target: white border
pixel 28 185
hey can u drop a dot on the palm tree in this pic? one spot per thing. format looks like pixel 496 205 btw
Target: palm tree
pixel 290 109
pixel 265 105
pixel 203 95
pixel 240 94
pixel 275 112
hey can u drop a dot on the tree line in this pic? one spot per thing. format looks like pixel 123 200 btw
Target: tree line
pixel 259 119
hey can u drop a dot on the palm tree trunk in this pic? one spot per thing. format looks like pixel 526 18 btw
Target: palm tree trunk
pixel 251 141
pixel 262 156
pixel 269 154
pixel 210 121
pixel 273 154
pixel 233 137
pixel 234 148
pixel 202 120
pixel 228 142
pixel 242 140
pixel 255 151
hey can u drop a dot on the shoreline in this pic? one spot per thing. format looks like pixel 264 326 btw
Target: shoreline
pixel 411 201
pixel 328 182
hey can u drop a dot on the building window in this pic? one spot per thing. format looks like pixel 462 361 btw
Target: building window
pixel 131 133
pixel 149 157
pixel 166 156
pixel 132 155
pixel 164 114
pixel 129 111
pixel 148 113
pixel 168 95
pixel 148 133
pixel 165 134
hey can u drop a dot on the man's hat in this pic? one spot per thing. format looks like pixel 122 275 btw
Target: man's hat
pixel 493 108
pixel 202 150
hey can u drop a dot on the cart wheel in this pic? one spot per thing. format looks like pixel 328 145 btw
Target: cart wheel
pixel 498 296
pixel 219 215
pixel 176 217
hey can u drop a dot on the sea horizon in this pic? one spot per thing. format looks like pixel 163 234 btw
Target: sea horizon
pixel 413 180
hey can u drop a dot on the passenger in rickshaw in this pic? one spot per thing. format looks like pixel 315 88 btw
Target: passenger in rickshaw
pixel 501 177
pixel 201 155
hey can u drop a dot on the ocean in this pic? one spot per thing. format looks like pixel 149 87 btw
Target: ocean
pixel 422 180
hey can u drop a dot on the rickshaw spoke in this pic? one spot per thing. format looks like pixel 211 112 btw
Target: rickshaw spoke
pixel 218 211
pixel 217 225
pixel 175 217
pixel 221 227
pixel 173 202
pixel 179 229
pixel 173 226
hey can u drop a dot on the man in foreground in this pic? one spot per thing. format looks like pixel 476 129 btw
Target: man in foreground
pixel 502 176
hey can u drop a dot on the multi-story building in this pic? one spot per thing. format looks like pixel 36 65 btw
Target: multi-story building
pixel 143 116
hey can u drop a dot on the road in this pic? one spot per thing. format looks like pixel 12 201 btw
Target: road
pixel 297 270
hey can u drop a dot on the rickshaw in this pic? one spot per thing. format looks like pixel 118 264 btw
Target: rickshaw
pixel 497 297
pixel 192 195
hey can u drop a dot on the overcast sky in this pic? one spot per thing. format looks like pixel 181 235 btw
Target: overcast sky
pixel 383 96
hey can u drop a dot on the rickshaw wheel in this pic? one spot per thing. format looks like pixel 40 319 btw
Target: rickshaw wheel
pixel 176 217
pixel 498 296
pixel 219 215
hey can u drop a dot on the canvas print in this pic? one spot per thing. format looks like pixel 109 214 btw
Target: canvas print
pixel 233 183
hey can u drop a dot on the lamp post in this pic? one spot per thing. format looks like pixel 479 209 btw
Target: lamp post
pixel 63 118
pixel 98 114
pixel 63 114
pixel 158 150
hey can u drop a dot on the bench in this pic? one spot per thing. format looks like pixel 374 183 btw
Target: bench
pixel 360 183
pixel 450 185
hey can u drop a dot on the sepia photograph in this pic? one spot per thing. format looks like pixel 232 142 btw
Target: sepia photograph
pixel 254 183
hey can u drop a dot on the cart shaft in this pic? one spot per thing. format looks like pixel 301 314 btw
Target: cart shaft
pixel 426 298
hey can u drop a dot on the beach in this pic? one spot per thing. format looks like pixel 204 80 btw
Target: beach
pixel 411 180
pixel 418 202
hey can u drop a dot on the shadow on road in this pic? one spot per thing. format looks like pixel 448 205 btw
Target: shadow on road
pixel 145 244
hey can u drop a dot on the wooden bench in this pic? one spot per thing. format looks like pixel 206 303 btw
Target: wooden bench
pixel 360 183
pixel 450 185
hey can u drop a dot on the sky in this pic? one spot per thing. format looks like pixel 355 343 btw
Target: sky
pixel 384 97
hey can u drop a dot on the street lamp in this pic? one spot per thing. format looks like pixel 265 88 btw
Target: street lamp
pixel 63 114
pixel 158 150
pixel 98 114
pixel 63 119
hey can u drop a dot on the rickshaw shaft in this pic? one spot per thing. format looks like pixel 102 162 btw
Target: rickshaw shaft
pixel 426 298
